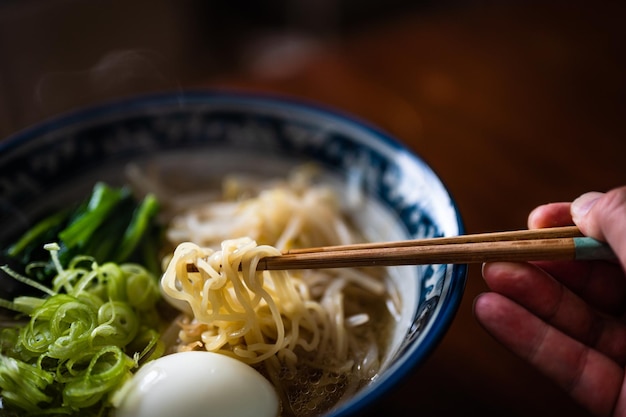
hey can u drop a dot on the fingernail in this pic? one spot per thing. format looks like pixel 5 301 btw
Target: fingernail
pixel 531 217
pixel 583 204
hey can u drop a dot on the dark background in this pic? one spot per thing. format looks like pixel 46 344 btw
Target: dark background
pixel 59 54
pixel 513 104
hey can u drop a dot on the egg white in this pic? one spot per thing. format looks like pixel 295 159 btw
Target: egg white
pixel 197 384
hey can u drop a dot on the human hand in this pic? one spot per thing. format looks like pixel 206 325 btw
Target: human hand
pixel 567 318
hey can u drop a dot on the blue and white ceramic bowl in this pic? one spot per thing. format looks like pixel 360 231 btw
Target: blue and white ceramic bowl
pixel 212 133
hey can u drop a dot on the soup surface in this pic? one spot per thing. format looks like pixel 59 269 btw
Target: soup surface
pixel 317 335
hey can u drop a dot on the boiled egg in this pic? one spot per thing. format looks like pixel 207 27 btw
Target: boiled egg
pixel 197 384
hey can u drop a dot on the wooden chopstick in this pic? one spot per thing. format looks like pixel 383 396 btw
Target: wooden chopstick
pixel 546 233
pixel 562 243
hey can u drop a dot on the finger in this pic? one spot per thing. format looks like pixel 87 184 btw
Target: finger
pixel 548 299
pixel 601 284
pixel 589 377
pixel 550 215
pixel 603 216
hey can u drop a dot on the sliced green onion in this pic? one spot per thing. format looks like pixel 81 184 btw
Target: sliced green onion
pixel 82 341
pixel 26 280
pixel 24 385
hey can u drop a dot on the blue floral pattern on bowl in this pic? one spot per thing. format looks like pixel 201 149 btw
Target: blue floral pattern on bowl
pixel 40 161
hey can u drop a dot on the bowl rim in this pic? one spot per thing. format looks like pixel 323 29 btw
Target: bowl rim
pixel 409 360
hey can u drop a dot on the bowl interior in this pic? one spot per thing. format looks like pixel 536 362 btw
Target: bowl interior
pixel 197 137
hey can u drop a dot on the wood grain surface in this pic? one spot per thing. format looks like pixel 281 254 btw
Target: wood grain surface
pixel 513 106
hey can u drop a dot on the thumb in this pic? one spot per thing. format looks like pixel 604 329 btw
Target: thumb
pixel 603 217
pixel 588 223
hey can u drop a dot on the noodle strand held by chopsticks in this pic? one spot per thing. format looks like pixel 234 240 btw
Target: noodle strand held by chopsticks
pixel 244 312
pixel 316 334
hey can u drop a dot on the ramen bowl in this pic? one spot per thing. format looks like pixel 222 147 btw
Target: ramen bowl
pixel 202 135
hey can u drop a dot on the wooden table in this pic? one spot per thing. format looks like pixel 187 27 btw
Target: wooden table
pixel 512 107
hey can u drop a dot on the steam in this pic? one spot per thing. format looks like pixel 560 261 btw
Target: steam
pixel 117 74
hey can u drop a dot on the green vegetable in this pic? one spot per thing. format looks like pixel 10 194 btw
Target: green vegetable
pixel 111 225
pixel 137 228
pixel 82 341
pixel 23 385
pixel 45 230
pixel 103 200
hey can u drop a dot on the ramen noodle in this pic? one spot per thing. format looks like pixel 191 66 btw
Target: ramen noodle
pixel 317 335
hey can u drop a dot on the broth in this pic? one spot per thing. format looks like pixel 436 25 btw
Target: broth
pixel 315 382
pixel 376 324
